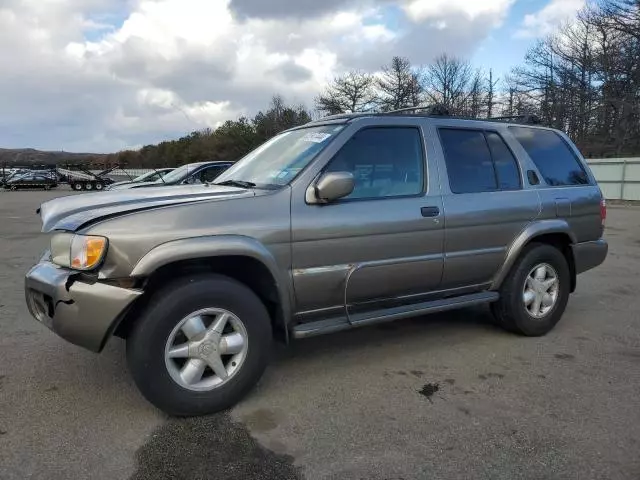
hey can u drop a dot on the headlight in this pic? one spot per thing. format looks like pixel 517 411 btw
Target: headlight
pixel 80 252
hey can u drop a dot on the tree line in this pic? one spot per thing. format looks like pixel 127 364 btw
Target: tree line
pixel 584 79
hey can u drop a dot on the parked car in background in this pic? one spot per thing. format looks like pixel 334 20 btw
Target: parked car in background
pixel 190 174
pixel 153 176
pixel 33 179
pixel 344 222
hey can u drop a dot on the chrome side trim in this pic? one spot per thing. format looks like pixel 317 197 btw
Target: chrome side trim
pixel 473 253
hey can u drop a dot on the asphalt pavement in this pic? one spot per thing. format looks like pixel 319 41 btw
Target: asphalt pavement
pixel 448 396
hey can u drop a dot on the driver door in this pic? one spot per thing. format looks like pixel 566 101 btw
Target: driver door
pixel 384 242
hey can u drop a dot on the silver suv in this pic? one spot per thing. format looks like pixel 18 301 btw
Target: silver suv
pixel 345 222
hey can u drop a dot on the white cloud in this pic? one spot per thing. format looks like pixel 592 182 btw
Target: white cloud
pixel 419 10
pixel 104 74
pixel 545 21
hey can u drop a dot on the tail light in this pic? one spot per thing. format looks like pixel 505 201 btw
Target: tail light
pixel 603 211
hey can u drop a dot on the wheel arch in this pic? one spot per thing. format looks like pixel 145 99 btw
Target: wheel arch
pixel 241 258
pixel 551 232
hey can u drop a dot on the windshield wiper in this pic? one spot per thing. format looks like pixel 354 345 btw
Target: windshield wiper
pixel 237 183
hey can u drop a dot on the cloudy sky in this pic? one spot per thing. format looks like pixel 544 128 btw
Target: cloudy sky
pixel 103 75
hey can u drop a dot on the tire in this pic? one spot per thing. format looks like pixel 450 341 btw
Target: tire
pixel 47 187
pixel 147 345
pixel 99 186
pixel 77 187
pixel 13 188
pixel 88 186
pixel 512 311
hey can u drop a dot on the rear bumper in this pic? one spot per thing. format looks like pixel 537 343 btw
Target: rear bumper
pixel 588 255
pixel 84 314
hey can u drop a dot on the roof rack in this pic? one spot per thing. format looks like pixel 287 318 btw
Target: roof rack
pixel 437 110
pixel 432 110
pixel 340 116
pixel 526 119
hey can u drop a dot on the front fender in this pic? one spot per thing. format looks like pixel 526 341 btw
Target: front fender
pixel 216 246
pixel 531 231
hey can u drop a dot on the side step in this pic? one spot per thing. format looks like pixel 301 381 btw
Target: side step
pixel 337 324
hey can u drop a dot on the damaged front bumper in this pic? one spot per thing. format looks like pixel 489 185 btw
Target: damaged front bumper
pixel 83 313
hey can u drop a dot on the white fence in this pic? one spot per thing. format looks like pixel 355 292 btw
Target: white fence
pixel 619 178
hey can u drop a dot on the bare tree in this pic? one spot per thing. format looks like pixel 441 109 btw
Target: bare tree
pixel 476 97
pixel 491 93
pixel 352 92
pixel 447 82
pixel 398 86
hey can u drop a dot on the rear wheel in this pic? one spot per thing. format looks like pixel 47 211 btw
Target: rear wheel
pixel 99 186
pixel 77 186
pixel 88 186
pixel 201 345
pixel 534 296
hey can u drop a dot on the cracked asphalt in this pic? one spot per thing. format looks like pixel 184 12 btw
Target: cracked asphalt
pixel 439 397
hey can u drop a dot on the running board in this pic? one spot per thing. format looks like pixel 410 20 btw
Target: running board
pixel 337 324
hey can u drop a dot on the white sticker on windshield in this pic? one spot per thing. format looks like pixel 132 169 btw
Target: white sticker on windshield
pixel 315 137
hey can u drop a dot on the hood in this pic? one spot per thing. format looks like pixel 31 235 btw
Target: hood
pixel 75 211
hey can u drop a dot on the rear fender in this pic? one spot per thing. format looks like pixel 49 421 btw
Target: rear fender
pixel 529 234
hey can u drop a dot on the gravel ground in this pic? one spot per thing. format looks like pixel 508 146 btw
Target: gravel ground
pixel 445 396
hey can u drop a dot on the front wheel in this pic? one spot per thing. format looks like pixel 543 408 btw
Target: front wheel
pixel 77 187
pixel 201 345
pixel 99 186
pixel 534 296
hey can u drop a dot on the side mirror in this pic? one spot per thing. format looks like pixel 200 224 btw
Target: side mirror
pixel 330 187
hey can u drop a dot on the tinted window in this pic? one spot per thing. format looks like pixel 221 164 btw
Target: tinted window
pixel 210 174
pixel 505 163
pixel 469 162
pixel 386 162
pixel 553 157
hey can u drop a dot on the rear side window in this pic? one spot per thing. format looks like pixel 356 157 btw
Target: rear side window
pixel 478 161
pixel 505 163
pixel 553 157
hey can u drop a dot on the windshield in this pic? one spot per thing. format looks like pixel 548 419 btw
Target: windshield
pixel 177 174
pixel 145 176
pixel 279 160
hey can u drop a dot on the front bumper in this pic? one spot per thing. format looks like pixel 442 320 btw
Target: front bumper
pixel 84 314
pixel 588 255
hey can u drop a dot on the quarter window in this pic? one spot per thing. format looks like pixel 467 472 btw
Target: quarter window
pixel 551 154
pixel 385 161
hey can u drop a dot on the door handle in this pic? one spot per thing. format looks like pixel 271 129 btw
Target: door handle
pixel 430 211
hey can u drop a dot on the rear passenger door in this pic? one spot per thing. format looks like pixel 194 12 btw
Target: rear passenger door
pixel 485 202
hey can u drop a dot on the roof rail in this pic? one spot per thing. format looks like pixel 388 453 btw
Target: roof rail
pixel 526 119
pixel 432 110
pixel 339 116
